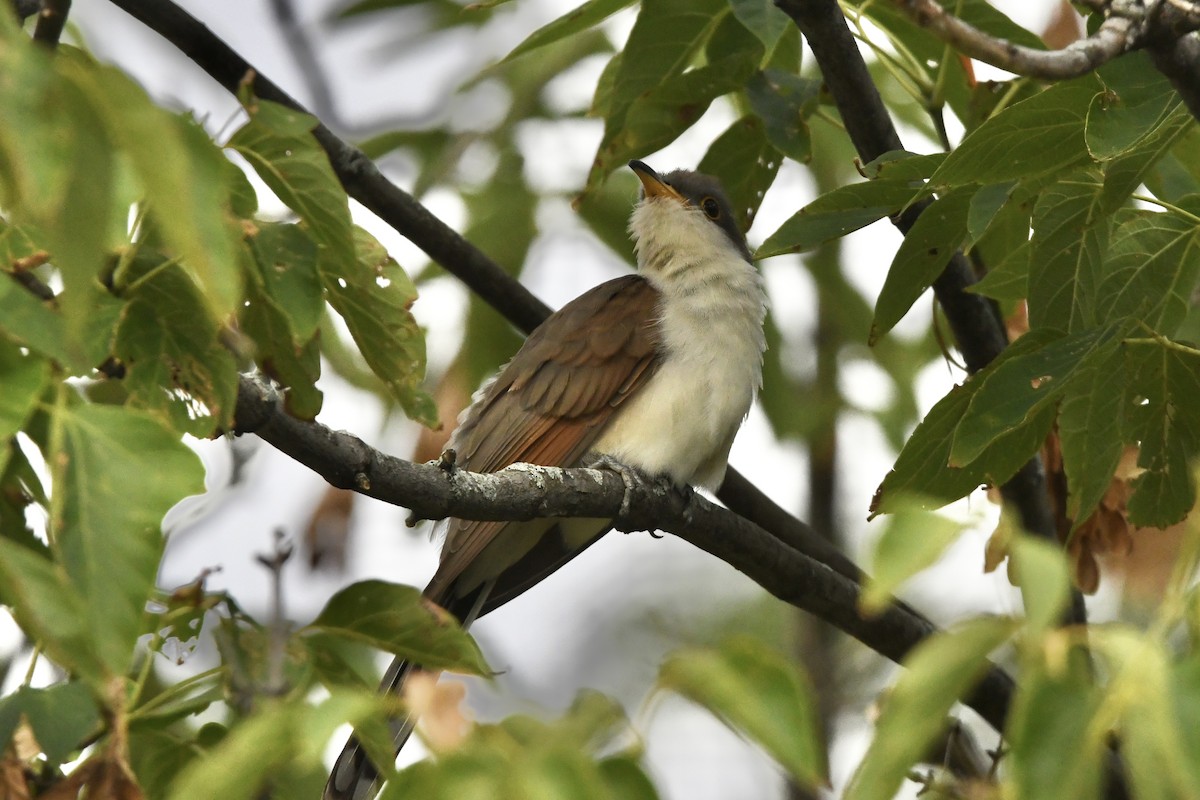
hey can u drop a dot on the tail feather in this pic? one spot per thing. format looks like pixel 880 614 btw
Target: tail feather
pixel 354 776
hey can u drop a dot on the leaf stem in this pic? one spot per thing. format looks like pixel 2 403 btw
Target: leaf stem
pixel 33 660
pixel 176 691
pixel 1174 209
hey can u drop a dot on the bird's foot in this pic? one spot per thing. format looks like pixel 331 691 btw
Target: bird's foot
pixel 683 493
pixel 630 477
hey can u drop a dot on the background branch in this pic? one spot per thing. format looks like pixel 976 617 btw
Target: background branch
pixel 525 491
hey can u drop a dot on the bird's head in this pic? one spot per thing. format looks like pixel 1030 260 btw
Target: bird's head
pixel 684 217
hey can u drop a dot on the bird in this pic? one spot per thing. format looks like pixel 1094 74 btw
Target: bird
pixel 653 372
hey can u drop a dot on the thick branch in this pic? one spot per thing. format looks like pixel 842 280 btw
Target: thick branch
pixel 524 491
pixel 1114 37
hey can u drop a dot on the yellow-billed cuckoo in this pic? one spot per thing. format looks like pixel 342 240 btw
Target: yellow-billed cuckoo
pixel 654 371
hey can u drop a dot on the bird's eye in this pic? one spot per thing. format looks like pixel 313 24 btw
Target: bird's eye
pixel 711 207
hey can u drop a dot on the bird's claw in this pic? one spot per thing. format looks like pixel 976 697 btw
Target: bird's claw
pixel 629 478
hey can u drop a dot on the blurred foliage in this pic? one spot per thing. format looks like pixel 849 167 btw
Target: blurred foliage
pixel 142 276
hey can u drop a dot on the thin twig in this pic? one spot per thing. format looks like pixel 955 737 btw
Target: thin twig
pixel 277 641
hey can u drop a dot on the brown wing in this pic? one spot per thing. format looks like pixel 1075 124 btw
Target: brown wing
pixel 549 403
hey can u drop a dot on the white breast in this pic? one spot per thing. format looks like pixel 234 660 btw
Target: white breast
pixel 682 422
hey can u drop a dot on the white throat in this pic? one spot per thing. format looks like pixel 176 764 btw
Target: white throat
pixel 682 422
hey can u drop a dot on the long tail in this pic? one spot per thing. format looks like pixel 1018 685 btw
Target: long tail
pixel 354 776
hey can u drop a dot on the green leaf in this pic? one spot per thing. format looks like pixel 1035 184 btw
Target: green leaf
pixel 1136 100
pixel 157 757
pixel 986 205
pixel 23 377
pixel 1007 281
pixel 394 618
pixel 837 213
pixel 296 367
pixel 624 779
pixel 78 230
pixel 185 178
pixel 784 101
pixel 277 143
pixel 762 18
pixel 286 260
pixel 373 296
pixel 585 16
pixel 524 757
pixel 270 746
pixel 938 672
pixel 913 540
pixel 1041 572
pixel 901 165
pixel 1177 173
pixel 61 717
pixel 1066 252
pixel 1092 432
pixel 1124 173
pixel 657 116
pixel 1185 692
pixel 32 322
pixel 1055 703
pixel 175 362
pixel 1016 390
pixel 746 164
pixel 758 693
pixel 1150 269
pixel 922 470
pixel 50 610
pixel 284 308
pixel 120 472
pixel 1141 688
pixel 1043 134
pixel 664 37
pixel 1168 380
pixel 926 250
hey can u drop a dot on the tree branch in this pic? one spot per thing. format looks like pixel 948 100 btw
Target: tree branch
pixel 1114 37
pixel 1165 27
pixel 525 491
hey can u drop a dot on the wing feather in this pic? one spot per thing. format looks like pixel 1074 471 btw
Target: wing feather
pixel 550 402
